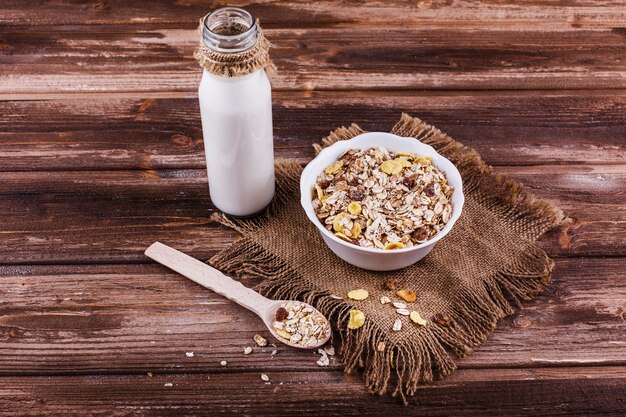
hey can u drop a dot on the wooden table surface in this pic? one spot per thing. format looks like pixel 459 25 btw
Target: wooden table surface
pixel 101 154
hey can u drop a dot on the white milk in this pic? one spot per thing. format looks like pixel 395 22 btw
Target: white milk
pixel 238 141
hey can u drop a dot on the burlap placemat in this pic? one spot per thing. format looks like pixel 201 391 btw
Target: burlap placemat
pixel 475 276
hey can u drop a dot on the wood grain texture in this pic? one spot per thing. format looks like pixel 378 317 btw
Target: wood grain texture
pixel 529 15
pixel 511 392
pixel 121 58
pixel 143 318
pixel 112 216
pixel 507 128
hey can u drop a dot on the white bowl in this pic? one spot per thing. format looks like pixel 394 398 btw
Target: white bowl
pixel 375 259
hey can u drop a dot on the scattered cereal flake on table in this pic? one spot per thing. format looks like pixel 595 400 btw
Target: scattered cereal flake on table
pixel 385 300
pixel 265 378
pixel 416 318
pixel 247 350
pixel 397 304
pixel 274 352
pixel 190 354
pixel 357 319
pixel 397 325
pixel 403 311
pixel 336 297
pixel 358 295
pixel 168 384
pixel 381 346
pixel 323 360
pixel 407 295
pixel 223 363
pixel 150 375
pixel 330 350
pixel 260 340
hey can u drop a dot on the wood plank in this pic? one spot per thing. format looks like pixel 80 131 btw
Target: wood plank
pixel 112 216
pixel 94 319
pixel 432 14
pixel 507 128
pixel 512 392
pixel 123 58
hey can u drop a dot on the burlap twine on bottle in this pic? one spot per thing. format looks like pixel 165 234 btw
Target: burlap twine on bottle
pixel 236 64
pixel 475 276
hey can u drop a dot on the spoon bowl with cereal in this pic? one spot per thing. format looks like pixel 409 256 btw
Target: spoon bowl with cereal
pixel 293 323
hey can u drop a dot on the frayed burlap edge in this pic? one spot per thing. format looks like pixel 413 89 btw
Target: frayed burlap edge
pixel 401 367
pixel 236 64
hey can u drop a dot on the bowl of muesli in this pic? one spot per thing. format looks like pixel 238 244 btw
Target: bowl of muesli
pixel 381 201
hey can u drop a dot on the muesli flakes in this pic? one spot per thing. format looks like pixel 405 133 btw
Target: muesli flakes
pixel 382 199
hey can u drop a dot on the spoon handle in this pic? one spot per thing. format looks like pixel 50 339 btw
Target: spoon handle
pixel 209 277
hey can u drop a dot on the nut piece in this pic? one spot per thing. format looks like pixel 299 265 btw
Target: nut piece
pixel 358 295
pixel 381 346
pixel 392 283
pixel 403 311
pixel 416 318
pixel 260 340
pixel 397 325
pixel 357 319
pixel 407 295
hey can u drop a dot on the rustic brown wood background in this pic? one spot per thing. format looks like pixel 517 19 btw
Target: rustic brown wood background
pixel 101 154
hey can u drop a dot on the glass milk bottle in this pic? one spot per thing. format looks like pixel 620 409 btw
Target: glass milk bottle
pixel 236 119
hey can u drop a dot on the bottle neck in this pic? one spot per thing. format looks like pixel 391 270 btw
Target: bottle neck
pixel 229 30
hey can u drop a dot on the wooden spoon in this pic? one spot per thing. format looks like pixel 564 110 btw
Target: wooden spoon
pixel 211 278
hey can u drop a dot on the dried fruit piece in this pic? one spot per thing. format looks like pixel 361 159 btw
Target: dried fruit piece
pixel 281 314
pixel 356 230
pixel 357 319
pixel 340 220
pixel 283 333
pixel 394 245
pixel 397 325
pixel 392 283
pixel 430 190
pixel 320 192
pixel 403 311
pixel 442 319
pixel 391 167
pixel 403 162
pixel 356 195
pixel 384 299
pixel 260 340
pixel 407 295
pixel 334 167
pixel 416 318
pixel 354 208
pixel 343 236
pixel 358 295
